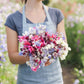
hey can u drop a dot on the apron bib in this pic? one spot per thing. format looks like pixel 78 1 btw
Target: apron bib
pixel 51 74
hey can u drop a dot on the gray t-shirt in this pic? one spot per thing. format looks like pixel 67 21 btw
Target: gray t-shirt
pixel 14 20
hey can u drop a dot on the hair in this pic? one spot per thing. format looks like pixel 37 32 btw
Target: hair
pixel 24 1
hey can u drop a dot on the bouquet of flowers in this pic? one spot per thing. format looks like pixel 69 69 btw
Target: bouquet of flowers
pixel 41 46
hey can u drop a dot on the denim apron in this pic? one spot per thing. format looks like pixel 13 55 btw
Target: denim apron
pixel 51 74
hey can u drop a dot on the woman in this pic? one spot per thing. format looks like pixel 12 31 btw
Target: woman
pixel 33 13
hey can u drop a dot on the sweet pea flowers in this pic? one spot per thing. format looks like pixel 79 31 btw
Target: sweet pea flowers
pixel 42 46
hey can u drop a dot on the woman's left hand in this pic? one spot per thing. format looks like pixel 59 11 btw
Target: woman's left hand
pixel 47 63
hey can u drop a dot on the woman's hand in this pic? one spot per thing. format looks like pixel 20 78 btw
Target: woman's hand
pixel 27 58
pixel 47 63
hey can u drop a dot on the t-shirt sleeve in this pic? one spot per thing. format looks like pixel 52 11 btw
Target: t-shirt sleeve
pixel 10 22
pixel 60 16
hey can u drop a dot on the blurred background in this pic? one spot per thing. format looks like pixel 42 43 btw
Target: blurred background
pixel 73 66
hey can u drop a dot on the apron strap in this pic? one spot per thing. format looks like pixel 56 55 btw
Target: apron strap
pixel 47 14
pixel 23 19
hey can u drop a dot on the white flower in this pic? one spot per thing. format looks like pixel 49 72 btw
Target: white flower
pixel 30 36
pixel 28 63
pixel 51 60
pixel 44 27
pixel 49 46
pixel 38 59
pixel 0 54
pixel 59 41
pixel 52 45
pixel 46 58
pixel 63 54
pixel 56 47
pixel 21 44
pixel 32 30
pixel 40 31
pixel 46 47
pixel 61 51
pixel 80 71
pixel 63 43
pixel 25 33
pixel 69 48
pixel 76 81
pixel 38 53
pixel 49 56
pixel 62 57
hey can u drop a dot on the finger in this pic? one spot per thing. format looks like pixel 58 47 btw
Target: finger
pixel 47 63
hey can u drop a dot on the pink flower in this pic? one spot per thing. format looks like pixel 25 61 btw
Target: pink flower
pixel 39 62
pixel 36 37
pixel 40 51
pixel 26 37
pixel 46 33
pixel 36 60
pixel 53 36
pixel 57 51
pixel 34 27
pixel 21 38
pixel 34 69
pixel 42 40
pixel 26 43
pixel 31 49
pixel 42 44
pixel 58 38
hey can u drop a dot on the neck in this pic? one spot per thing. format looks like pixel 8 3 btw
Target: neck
pixel 33 4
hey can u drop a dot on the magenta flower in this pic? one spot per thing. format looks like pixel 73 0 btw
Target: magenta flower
pixel 36 37
pixel 31 49
pixel 35 68
pixel 58 38
pixel 27 43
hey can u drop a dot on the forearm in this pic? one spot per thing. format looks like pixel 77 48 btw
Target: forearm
pixel 61 29
pixel 15 58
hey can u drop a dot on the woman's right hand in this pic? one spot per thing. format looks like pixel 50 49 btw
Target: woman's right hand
pixel 27 58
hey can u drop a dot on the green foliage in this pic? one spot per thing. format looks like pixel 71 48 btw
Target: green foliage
pixel 74 25
pixel 46 2
pixel 75 40
pixel 8 72
pixel 80 75
pixel 78 1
